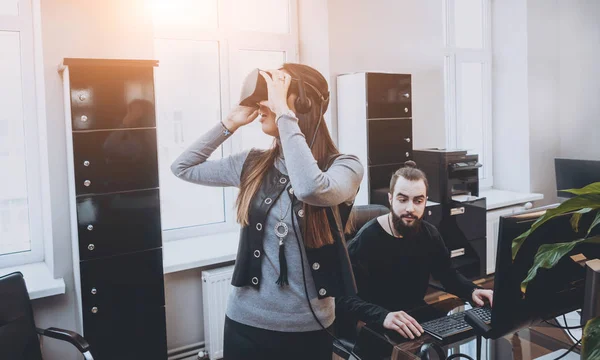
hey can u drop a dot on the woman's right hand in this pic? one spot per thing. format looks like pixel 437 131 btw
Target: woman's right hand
pixel 240 116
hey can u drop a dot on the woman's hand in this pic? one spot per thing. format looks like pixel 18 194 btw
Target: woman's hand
pixel 240 116
pixel 277 88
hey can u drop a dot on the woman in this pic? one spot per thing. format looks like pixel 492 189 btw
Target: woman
pixel 293 202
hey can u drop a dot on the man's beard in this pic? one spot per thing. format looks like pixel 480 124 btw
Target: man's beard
pixel 404 229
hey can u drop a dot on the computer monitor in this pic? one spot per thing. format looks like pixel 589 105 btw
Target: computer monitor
pixel 554 291
pixel 575 174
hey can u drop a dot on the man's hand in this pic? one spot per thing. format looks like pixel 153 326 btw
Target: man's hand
pixel 480 295
pixel 403 323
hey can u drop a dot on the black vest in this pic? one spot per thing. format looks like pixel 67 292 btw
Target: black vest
pixel 329 264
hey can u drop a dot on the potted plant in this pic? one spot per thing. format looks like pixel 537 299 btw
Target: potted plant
pixel 586 200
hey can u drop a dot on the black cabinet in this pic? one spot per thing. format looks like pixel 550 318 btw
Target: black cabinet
pixel 117 242
pixel 117 160
pixel 388 96
pixel 140 333
pixel 390 141
pixel 118 223
pixel 111 96
pixel 131 281
pixel 375 124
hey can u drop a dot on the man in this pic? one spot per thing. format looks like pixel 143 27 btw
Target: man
pixel 394 255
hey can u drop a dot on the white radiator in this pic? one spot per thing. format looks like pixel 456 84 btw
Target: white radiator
pixel 216 285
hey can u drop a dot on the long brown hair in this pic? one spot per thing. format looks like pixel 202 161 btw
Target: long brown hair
pixel 316 229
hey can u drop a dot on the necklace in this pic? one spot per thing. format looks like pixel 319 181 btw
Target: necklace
pixel 281 228
pixel 391 227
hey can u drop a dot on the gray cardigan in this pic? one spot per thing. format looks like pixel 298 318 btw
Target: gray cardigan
pixel 273 307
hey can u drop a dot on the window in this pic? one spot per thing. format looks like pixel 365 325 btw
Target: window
pixel 21 209
pixel 205 49
pixel 468 80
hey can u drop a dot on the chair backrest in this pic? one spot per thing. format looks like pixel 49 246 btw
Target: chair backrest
pixel 362 214
pixel 18 337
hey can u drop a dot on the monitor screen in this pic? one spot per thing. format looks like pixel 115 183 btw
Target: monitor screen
pixel 575 174
pixel 554 291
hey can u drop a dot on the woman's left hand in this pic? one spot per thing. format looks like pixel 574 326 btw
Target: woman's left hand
pixel 277 88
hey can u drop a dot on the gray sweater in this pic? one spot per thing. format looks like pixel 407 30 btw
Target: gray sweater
pixel 273 307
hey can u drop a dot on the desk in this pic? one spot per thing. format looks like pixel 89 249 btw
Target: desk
pixel 528 343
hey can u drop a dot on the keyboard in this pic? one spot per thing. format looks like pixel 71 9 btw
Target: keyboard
pixel 454 324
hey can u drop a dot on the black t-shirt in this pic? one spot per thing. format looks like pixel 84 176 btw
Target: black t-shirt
pixel 392 273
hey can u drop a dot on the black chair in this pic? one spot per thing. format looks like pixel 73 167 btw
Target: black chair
pixel 18 334
pixel 362 214
pixel 359 216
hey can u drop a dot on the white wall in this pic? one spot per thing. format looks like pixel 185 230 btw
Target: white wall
pixel 510 113
pixel 313 32
pixel 579 88
pixel 402 36
pixel 544 95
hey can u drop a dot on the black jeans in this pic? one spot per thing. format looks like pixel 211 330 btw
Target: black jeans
pixel 247 342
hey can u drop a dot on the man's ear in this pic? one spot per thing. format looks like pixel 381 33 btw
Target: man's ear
pixel 390 199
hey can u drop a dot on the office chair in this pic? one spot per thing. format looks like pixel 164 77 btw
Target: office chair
pixel 18 334
pixel 360 215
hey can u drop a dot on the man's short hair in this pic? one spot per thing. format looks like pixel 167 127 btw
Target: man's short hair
pixel 411 173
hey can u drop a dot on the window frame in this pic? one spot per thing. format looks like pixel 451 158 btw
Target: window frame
pixel 229 42
pixel 28 25
pixel 453 58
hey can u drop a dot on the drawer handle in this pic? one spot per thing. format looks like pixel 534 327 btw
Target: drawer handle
pixel 87 183
pixel 91 247
pixel 405 110
pixel 86 163
pixel 94 310
pixel 84 118
pixel 94 291
pixel 457 252
pixel 407 154
pixel 407 95
pixel 457 211
pixel 407 140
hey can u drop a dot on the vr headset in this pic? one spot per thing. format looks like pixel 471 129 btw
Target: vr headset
pixel 254 90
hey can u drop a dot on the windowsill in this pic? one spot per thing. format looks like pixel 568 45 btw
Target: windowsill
pixel 201 251
pixel 496 199
pixel 39 280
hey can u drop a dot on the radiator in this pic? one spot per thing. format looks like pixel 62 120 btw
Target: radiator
pixel 216 285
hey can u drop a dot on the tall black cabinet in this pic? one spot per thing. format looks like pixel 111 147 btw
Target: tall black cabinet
pixel 375 124
pixel 115 206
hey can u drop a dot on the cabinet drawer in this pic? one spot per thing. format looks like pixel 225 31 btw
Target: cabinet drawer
pixel 463 221
pixel 111 97
pixel 119 283
pixel 127 334
pixel 111 161
pixel 388 96
pixel 433 214
pixel 118 223
pixel 389 141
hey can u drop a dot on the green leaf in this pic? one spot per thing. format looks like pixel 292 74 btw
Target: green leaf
pixel 577 216
pixel 594 223
pixel 549 255
pixel 573 204
pixel 590 348
pixel 593 188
